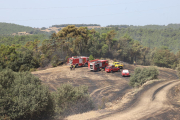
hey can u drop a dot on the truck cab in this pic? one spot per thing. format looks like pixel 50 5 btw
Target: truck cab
pixel 118 64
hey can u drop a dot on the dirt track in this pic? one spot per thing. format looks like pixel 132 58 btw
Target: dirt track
pixel 107 87
pixel 148 105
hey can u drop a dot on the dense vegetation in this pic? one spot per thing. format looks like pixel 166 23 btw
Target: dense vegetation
pixel 107 43
pixel 153 27
pixel 142 75
pixel 77 25
pixel 22 96
pixel 22 40
pixel 9 29
pixel 150 37
pixel 19 58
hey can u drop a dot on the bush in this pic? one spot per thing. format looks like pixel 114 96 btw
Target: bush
pixel 91 57
pixel 23 96
pixel 164 58
pixel 72 100
pixel 178 70
pixel 141 75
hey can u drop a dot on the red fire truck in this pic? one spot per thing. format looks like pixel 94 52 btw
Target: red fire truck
pixel 78 61
pixel 95 65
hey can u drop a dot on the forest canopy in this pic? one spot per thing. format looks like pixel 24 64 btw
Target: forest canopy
pixel 145 46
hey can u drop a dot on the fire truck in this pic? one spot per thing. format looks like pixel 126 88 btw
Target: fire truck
pixel 95 65
pixel 78 61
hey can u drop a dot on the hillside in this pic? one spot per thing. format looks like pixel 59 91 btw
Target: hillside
pixel 9 28
pixel 77 25
pixel 22 39
pixel 14 29
pixel 57 28
pixel 153 27
pixel 150 37
pixel 110 92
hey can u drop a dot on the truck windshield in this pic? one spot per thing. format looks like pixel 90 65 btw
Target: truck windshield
pixel 117 63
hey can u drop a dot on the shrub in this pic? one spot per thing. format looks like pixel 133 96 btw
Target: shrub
pixel 23 96
pixel 164 58
pixel 141 75
pixel 178 70
pixel 72 100
pixel 91 57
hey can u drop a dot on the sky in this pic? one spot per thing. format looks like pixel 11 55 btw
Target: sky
pixel 45 13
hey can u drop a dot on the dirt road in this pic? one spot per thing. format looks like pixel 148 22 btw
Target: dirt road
pixel 151 103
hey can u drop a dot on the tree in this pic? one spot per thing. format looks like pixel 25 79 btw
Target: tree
pixel 135 50
pixel 110 35
pixel 104 49
pixel 144 53
pixel 125 50
pixel 164 58
pixel 23 96
pixel 91 57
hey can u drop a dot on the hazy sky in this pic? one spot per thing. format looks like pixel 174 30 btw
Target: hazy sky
pixel 45 13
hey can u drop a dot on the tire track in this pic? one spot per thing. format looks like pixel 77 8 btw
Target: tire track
pixel 151 102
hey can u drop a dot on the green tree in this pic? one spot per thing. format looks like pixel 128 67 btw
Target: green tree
pixel 23 96
pixel 164 58
pixel 104 49
pixel 110 35
pixel 91 57
pixel 141 75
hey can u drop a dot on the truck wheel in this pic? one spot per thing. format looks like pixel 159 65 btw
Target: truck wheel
pixel 119 70
pixel 111 71
pixel 77 66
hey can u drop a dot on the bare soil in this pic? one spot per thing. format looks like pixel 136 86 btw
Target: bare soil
pixel 103 87
pixel 174 101
pixel 106 89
